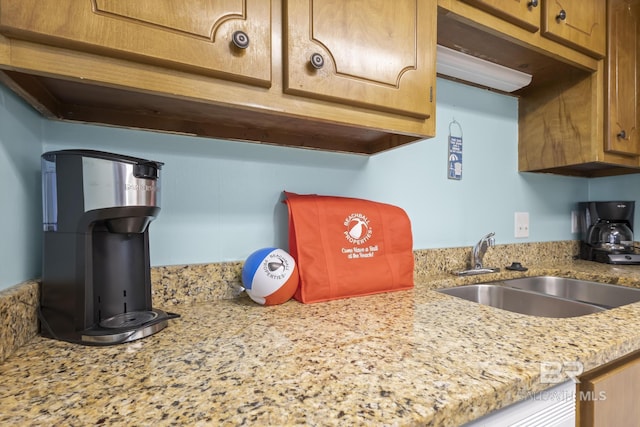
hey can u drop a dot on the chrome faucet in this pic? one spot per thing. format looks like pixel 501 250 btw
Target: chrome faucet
pixel 480 249
pixel 477 254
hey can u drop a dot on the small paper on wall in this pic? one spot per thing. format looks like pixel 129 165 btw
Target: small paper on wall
pixel 455 153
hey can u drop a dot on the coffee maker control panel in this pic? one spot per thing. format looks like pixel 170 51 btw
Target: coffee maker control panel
pixel 96 181
pixel 109 184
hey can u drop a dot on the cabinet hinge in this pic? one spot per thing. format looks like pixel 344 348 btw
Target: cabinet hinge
pixel 430 93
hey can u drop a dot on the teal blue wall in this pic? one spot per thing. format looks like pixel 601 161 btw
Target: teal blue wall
pixel 221 199
pixel 20 211
pixel 617 188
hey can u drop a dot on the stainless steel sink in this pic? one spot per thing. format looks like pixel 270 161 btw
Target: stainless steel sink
pixel 547 296
pixel 521 301
pixel 600 294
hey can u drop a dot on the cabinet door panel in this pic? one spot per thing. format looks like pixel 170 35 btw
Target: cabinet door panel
pixel 375 53
pixel 611 398
pixel 194 35
pixel 523 13
pixel 583 26
pixel 622 133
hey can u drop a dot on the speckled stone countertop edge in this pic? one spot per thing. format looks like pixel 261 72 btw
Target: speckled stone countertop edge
pixel 18 316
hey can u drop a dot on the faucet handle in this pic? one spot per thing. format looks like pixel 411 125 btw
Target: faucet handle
pixel 489 238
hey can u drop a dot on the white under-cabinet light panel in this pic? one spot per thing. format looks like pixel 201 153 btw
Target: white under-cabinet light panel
pixel 479 71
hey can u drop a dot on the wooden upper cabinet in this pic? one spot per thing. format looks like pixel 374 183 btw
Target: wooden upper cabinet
pixel 377 54
pixel 580 24
pixel 623 74
pixel 193 35
pixel 524 13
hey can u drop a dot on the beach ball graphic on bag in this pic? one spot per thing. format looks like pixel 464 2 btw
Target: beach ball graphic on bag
pixel 270 276
pixel 358 229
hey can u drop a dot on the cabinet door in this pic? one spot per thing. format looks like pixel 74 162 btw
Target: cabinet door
pixel 524 13
pixel 623 74
pixel 194 35
pixel 610 397
pixel 580 24
pixel 374 53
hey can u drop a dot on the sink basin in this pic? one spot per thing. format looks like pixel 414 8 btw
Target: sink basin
pixel 600 294
pixel 547 296
pixel 521 301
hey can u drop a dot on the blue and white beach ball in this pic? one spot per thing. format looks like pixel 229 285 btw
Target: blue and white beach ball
pixel 270 276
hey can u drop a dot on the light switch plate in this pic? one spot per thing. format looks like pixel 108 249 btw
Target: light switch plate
pixel 521 224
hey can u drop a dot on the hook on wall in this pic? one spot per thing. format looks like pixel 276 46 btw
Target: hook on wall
pixel 456 123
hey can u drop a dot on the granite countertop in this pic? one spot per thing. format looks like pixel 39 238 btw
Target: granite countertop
pixel 414 357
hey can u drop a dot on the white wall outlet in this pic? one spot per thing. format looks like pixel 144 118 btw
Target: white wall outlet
pixel 522 224
pixel 574 222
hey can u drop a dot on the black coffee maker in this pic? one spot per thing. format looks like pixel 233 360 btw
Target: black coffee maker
pixel 606 232
pixel 96 283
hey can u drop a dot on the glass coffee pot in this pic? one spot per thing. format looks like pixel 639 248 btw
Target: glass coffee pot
pixel 611 236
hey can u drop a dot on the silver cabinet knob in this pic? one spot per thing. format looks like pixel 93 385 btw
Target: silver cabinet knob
pixel 317 61
pixel 562 15
pixel 240 39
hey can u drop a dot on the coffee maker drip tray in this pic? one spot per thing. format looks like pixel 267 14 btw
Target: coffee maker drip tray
pixel 127 320
pixel 127 327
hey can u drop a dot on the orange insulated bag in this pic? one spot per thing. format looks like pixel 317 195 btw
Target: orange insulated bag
pixel 346 247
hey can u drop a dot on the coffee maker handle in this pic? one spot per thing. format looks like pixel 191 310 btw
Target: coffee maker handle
pixel 590 232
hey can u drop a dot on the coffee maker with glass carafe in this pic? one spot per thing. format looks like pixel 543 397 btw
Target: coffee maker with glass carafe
pixel 606 232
